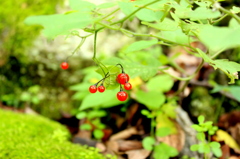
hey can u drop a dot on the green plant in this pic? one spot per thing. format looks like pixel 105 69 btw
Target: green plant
pixel 166 23
pixel 206 147
pixel 32 136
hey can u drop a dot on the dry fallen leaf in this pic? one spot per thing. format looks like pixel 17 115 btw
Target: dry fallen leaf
pixel 175 140
pixel 129 145
pixel 224 136
pixel 234 157
pixel 112 147
pixel 235 132
pixel 124 134
pixel 138 154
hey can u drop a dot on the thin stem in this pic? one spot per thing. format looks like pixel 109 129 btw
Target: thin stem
pixel 95 44
pixel 230 13
pixel 95 53
pixel 78 47
pixel 106 76
pixel 152 127
pixel 111 13
pixel 121 67
pixel 187 82
pixel 220 19
pixel 145 35
pixel 131 14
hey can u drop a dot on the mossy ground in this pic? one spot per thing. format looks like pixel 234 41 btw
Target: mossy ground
pixel 34 137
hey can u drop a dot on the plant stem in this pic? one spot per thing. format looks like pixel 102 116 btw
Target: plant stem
pixel 95 45
pixel 220 19
pixel 78 47
pixel 131 14
pixel 111 13
pixel 230 13
pixel 187 82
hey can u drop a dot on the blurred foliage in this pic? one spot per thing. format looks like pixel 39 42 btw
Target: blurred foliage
pixel 26 72
pixel 32 136
pixel 15 36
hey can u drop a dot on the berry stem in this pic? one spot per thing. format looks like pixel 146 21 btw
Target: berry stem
pixel 78 47
pixel 121 67
pixel 95 53
pixel 121 89
pixel 102 80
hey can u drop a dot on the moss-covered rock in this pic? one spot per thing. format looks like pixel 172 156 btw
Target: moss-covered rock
pixel 34 137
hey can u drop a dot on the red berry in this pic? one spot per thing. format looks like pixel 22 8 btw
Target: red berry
pixel 101 88
pixel 93 89
pixel 127 86
pixel 122 78
pixel 122 96
pixel 64 65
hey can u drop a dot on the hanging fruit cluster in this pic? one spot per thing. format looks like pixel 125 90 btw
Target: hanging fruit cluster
pixel 122 79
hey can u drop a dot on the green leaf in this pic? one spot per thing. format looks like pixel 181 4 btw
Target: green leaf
pixel 145 112
pixel 176 36
pixel 134 68
pixel 35 100
pixel 81 5
pixel 201 147
pixel 164 121
pixel 126 8
pixel 152 99
pixel 110 82
pixel 205 57
pixel 235 91
pixel 148 143
pixel 230 68
pixel 199 13
pixel 233 23
pixel 98 134
pixel 207 148
pixel 201 136
pixel 85 127
pixel 107 5
pixel 25 96
pixel 201 119
pixel 80 95
pixel 166 25
pixel 81 115
pixel 215 37
pixel 60 24
pixel 235 10
pixel 149 15
pixel 161 83
pixel 217 152
pixel 164 151
pixel 79 87
pixel 96 114
pixel 34 89
pixel 215 144
pixel 197 127
pixel 103 100
pixel 203 13
pixel 169 110
pixel 163 131
pixel 139 45
pixel 194 147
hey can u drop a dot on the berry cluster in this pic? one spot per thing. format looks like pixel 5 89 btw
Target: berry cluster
pixel 94 88
pixel 122 79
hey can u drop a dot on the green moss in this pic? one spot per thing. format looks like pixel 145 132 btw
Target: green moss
pixel 32 136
